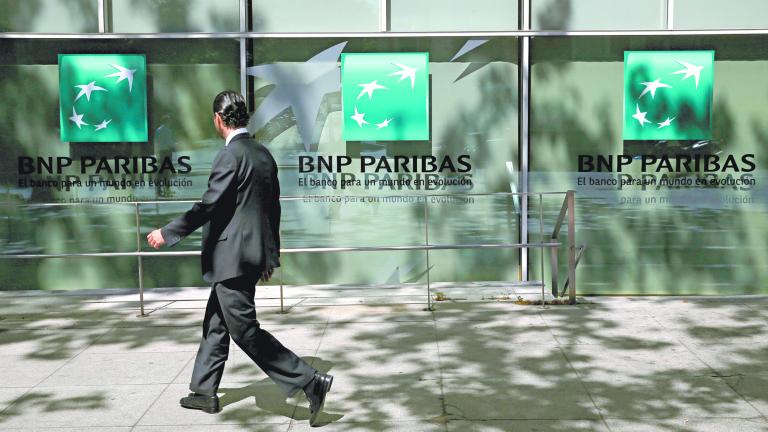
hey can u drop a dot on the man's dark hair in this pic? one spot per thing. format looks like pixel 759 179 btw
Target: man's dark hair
pixel 231 106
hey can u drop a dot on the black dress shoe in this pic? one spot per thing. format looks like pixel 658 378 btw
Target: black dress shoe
pixel 316 391
pixel 209 404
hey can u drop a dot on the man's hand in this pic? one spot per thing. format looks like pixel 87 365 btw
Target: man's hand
pixel 266 274
pixel 155 239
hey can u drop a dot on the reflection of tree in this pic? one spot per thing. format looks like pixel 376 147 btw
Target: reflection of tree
pixel 28 16
pixel 697 246
pixel 483 129
pixel 171 16
pixel 184 78
pixel 555 16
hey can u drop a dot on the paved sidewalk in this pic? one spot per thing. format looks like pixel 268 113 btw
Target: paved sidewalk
pixel 612 364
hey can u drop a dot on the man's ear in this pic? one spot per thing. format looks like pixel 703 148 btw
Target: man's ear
pixel 218 122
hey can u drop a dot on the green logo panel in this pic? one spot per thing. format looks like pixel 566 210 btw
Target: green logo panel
pixel 668 95
pixel 103 97
pixel 385 96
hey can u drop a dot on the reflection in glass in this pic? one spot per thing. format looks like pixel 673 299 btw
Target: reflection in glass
pixel 653 240
pixel 49 16
pixel 183 78
pixel 473 111
pixel 315 16
pixel 453 15
pixel 598 14
pixel 715 14
pixel 171 16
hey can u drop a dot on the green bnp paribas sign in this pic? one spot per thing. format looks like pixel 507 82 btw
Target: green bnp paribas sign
pixel 103 97
pixel 385 96
pixel 668 95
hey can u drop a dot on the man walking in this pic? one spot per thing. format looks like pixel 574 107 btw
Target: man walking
pixel 240 215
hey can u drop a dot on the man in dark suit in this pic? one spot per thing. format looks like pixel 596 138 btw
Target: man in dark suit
pixel 240 215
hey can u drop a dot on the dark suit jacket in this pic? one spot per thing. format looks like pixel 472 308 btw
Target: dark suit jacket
pixel 240 211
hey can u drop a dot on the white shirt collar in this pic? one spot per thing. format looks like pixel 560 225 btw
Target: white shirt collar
pixel 234 133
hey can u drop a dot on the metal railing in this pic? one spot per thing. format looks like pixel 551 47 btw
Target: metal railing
pixel 552 243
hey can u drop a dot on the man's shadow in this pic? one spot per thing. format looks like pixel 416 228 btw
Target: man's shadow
pixel 269 397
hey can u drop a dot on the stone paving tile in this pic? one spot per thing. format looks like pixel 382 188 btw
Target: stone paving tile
pixel 689 425
pixel 527 426
pixel 633 364
pixel 615 335
pixel 421 364
pixel 70 307
pixel 40 323
pixel 645 363
pixel 733 359
pixel 47 344
pixel 754 388
pixel 394 426
pixel 507 361
pixel 477 334
pixel 80 407
pixel 554 396
pixel 252 404
pixel 483 311
pixel 165 318
pixel 684 315
pixel 22 371
pixel 73 429
pixel 120 369
pixel 9 394
pixel 156 339
pixel 746 334
pixel 260 427
pixel 396 337
pixel 377 400
pixel 669 397
pixel 375 313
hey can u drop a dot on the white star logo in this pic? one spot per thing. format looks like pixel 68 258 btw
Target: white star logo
pixel 359 118
pixel 652 86
pixel 123 73
pixel 640 116
pixel 691 70
pixel 405 72
pixel 103 124
pixel 86 89
pixel 666 122
pixel 77 118
pixel 383 124
pixel 300 86
pixel 369 89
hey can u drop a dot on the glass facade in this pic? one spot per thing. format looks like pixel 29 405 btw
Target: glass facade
pixel 653 240
pixel 598 14
pixel 65 16
pixel 693 240
pixel 455 15
pixel 172 16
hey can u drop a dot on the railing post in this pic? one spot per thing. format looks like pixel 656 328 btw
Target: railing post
pixel 282 264
pixel 139 260
pixel 541 253
pixel 282 308
pixel 426 243
pixel 571 246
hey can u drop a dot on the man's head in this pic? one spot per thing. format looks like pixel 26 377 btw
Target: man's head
pixel 229 112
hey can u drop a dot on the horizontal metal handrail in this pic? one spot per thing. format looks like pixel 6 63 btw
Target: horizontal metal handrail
pixel 284 198
pixel 388 34
pixel 293 250
pixel 553 245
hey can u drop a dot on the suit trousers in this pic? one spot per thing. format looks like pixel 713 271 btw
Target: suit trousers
pixel 230 312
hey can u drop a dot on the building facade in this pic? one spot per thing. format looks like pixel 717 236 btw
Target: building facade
pixel 529 91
